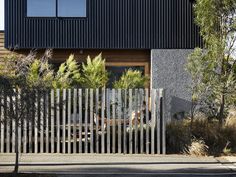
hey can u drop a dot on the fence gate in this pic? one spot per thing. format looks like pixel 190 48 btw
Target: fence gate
pixel 84 121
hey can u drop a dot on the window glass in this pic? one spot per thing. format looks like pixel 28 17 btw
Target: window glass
pixel 41 8
pixel 72 8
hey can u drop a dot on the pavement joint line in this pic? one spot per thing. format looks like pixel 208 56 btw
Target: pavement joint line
pixel 74 173
pixel 110 163
pixel 225 163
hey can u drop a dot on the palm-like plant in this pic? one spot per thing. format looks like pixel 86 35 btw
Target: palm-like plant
pixel 68 74
pixel 131 79
pixel 94 73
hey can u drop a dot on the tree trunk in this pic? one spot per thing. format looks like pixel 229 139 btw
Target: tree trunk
pixel 222 108
pixel 16 150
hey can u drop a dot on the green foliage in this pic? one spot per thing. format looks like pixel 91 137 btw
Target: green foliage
pixel 131 79
pixel 7 68
pixel 94 73
pixel 40 75
pixel 213 69
pixel 216 19
pixel 26 78
pixel 68 74
pixel 197 66
pixel 27 72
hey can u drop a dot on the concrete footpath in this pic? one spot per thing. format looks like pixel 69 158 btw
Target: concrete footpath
pixel 120 165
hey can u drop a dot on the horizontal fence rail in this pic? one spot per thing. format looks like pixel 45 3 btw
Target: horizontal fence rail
pixel 84 121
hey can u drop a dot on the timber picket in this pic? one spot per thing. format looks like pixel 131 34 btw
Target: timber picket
pixel 30 136
pixel 97 121
pixel 147 120
pixel 8 128
pixel 136 121
pixel 2 123
pixel 141 120
pixel 58 119
pixel 91 121
pixel 87 121
pixel 19 122
pixel 52 120
pixel 74 120
pixel 13 132
pixel 102 121
pixel 30 123
pixel 13 121
pixel 25 128
pixel 153 107
pixel 36 124
pixel 69 121
pixel 119 120
pixel 163 120
pixel 64 122
pixel 124 124
pixel 46 116
pixel 41 103
pixel 80 120
pixel 113 121
pixel 158 121
pixel 108 121
pixel 130 123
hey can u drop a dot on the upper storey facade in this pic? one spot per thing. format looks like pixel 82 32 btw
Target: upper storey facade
pixel 100 24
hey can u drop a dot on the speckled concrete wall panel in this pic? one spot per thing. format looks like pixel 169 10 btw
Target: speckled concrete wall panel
pixel 168 72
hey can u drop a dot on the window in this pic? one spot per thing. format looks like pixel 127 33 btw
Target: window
pixel 41 8
pixel 117 71
pixel 56 8
pixel 72 8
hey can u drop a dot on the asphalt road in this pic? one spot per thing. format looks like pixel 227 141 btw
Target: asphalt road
pixel 119 165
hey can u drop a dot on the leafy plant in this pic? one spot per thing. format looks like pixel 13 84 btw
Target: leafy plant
pixel 40 74
pixel 215 65
pixel 24 79
pixel 7 66
pixel 131 79
pixel 68 74
pixel 94 73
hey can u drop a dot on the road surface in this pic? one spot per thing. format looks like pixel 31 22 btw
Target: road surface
pixel 120 165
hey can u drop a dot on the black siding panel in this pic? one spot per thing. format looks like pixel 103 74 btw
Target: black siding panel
pixel 110 24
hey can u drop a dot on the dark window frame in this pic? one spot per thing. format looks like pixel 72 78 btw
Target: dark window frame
pixel 56 16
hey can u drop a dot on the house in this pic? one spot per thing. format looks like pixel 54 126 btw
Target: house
pixel 155 36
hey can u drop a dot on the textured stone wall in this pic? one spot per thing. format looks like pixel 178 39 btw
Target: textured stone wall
pixel 168 72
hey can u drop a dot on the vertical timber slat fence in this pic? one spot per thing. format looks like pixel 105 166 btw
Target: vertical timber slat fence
pixel 86 121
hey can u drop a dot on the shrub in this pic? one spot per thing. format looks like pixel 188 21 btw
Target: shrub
pixel 218 139
pixel 197 148
pixel 40 74
pixel 94 73
pixel 131 79
pixel 230 132
pixel 32 71
pixel 8 65
pixel 68 74
pixel 178 136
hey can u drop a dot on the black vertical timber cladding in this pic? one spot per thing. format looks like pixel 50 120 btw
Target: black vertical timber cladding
pixel 110 24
